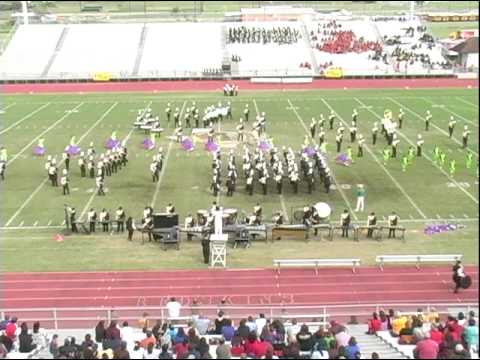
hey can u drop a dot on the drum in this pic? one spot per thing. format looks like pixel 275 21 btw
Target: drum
pixel 230 216
pixel 323 209
pixel 202 217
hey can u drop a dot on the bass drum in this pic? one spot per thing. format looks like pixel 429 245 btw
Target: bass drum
pixel 466 282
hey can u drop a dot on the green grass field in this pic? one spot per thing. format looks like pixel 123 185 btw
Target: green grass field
pixel 423 193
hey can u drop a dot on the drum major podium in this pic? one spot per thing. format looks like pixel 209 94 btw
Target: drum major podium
pixel 218 250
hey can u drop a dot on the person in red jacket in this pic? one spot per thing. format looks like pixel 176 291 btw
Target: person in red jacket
pixel 374 324
pixel 11 328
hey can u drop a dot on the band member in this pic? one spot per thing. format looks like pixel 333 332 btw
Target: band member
pixel 154 171
pixel 400 118
pixel 176 117
pixel 338 140
pixel 313 126
pixel 428 117
pixel 353 132
pixel 3 167
pixel 331 119
pixel 249 186
pixel 206 246
pixel 459 277
pixel 279 182
pixel 395 143
pixel 130 225
pixel 465 135
pixel 345 222
pixel 419 145
pixel 451 126
pixel 73 222
pixel 257 210
pixel 361 141
pixel 91 167
pixel 92 219
pixel 170 209
pixel 104 218
pixel 278 218
pixel 148 227
pixel 230 186
pixel 189 223
pixel 64 182
pixel 215 186
pixel 100 184
pixel 52 174
pixel 240 129
pixel 392 224
pixel 294 181
pixel 321 136
pixel 246 112
pixel 371 223
pixel 229 110
pixel 168 112
pixel 354 117
pixel 374 133
pixel 263 182
pixel 120 218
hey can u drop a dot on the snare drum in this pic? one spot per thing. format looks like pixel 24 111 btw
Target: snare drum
pixel 231 216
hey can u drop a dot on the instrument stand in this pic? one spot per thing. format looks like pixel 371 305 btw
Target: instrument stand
pixel 218 250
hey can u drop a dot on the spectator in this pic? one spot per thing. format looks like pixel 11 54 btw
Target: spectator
pixel 144 322
pixel 426 348
pixel 266 334
pixel 446 348
pixel 352 349
pixel 374 324
pixel 435 334
pixel 243 330
pixel 156 329
pixel 193 338
pixel 398 323
pixel 180 336
pixel 137 352
pixel 126 332
pixel 203 346
pixel 375 355
pixel 66 349
pixel 252 325
pixel 228 330
pixel 173 307
pixel 470 334
pixel 122 352
pixel 270 355
pixel 342 338
pixel 292 351
pixel 220 322
pixel 332 350
pixel 461 319
pixel 260 322
pixel 149 339
pixel 151 352
pixel 432 315
pixel 25 340
pixel 112 332
pixel 304 339
pixel 202 324
pixel 460 352
pixel 89 343
pixel 53 346
pixel 383 320
pixel 223 350
pixel 100 331
pixel 406 334
pixel 11 328
pixel 38 335
pixel 237 346
pixel 292 331
pixel 4 322
pixel 181 349
pixel 165 354
pixel 3 351
pixel 336 327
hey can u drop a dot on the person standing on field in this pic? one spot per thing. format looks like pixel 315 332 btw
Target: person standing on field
pixel 360 198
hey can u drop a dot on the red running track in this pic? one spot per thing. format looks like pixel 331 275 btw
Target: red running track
pixel 217 85
pixel 243 287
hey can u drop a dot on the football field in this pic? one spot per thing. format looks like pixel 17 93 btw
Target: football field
pixel 424 194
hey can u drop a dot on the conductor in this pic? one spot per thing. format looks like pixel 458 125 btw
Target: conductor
pixel 460 279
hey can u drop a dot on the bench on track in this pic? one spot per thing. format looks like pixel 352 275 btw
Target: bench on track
pixel 278 263
pixel 381 260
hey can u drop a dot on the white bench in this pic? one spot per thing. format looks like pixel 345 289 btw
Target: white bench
pixel 316 262
pixel 417 259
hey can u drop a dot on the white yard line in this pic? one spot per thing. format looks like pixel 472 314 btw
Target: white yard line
pixel 42 134
pixel 167 156
pixel 8 106
pixel 451 112
pixel 28 116
pixel 426 157
pixel 397 184
pixel 345 199
pixel 39 187
pixel 467 102
pixel 433 125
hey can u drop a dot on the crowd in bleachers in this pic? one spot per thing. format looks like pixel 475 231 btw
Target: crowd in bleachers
pixel 254 338
pixel 432 338
pixel 332 38
pixel 278 35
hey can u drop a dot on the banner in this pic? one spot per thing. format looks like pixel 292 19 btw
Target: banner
pixel 452 18
pixel 102 76
pixel 334 73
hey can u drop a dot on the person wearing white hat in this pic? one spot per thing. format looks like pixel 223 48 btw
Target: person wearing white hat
pixel 360 198
pixel 64 182
pixel 465 136
pixel 419 145
pixel 451 126
pixel 428 117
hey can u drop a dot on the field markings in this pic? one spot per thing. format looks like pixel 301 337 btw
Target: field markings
pixel 164 169
pixel 28 116
pixel 397 184
pixel 467 102
pixel 282 198
pixel 433 125
pixel 427 157
pixel 345 199
pixel 7 107
pixel 451 112
pixel 41 135
pixel 39 187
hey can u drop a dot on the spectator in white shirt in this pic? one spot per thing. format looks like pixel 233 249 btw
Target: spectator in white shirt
pixel 173 307
pixel 292 331
pixel 252 325
pixel 126 332
pixel 260 322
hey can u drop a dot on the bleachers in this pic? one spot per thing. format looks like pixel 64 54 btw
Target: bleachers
pixel 96 48
pixel 29 50
pixel 181 49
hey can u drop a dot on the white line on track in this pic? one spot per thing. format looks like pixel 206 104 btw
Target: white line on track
pixel 29 115
pixel 426 157
pixel 41 135
pixel 433 125
pixel 467 102
pixel 451 112
pixel 39 187
pixel 333 177
pixel 167 156
pixel 397 184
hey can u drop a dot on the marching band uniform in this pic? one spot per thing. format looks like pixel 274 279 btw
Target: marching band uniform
pixel 345 222
pixel 428 117
pixel 395 143
pixel 249 186
pixel 361 141
pixel 64 183
pixel 92 218
pixel 130 225
pixel 451 126
pixel 120 218
pixel 278 180
pixel 73 222
pixel 313 126
pixel 371 222
pixel 465 135
pixel 374 133
pixel 81 164
pixel 154 171
pixel 189 223
pixel 331 119
pixel 392 224
pixel 400 118
pixel 419 145
pixel 104 218
pixel 170 209
pixel 240 129
pixel 176 117
pixel 353 132
pixel 99 183
pixel 246 112
pixel 168 112
pixel 263 181
pixel 354 117
pixel 338 140
pixel 52 173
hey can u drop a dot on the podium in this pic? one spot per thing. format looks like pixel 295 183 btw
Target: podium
pixel 218 250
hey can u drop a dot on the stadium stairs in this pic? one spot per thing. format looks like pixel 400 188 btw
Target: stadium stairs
pixel 371 343
pixel 58 48
pixel 141 44
pixel 308 44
